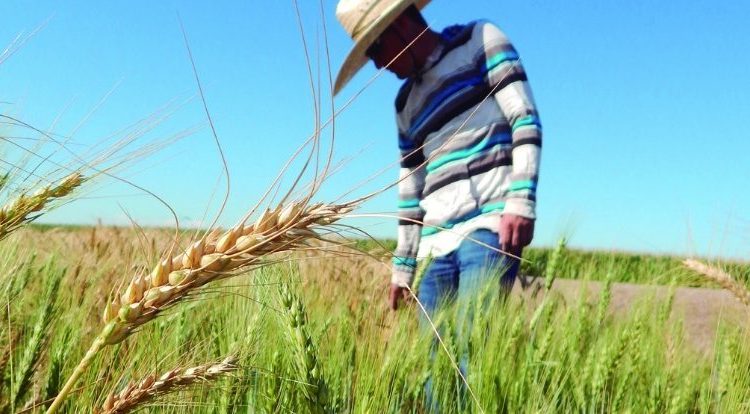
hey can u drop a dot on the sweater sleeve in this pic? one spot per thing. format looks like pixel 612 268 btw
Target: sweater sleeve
pixel 411 184
pixel 507 78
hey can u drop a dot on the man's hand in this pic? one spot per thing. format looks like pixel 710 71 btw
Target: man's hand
pixel 516 233
pixel 396 293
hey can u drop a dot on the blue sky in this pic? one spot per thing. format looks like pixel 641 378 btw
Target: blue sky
pixel 642 104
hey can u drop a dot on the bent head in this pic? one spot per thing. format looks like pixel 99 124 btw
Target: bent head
pixel 395 48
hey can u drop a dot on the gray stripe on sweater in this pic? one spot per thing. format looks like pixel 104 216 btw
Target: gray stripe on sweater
pixel 499 157
pixel 464 140
pixel 523 176
pixel 413 214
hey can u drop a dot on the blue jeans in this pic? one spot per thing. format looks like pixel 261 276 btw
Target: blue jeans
pixel 460 276
pixel 463 272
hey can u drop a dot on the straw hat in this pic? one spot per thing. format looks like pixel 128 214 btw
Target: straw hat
pixel 365 20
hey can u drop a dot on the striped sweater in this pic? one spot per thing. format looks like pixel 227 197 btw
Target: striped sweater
pixel 470 141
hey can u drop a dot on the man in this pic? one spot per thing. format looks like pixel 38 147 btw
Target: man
pixel 470 143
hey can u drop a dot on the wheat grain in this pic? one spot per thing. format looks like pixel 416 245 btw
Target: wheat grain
pixel 721 277
pixel 22 209
pixel 135 394
pixel 211 258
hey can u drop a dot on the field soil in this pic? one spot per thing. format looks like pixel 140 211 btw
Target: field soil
pixel 702 310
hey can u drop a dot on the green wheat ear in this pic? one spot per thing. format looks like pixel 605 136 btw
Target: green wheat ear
pixel 604 300
pixel 422 267
pixel 32 350
pixel 4 179
pixel 56 365
pixel 314 387
pixel 273 397
pixel 554 263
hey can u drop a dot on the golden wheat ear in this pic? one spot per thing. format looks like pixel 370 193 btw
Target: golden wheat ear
pixel 137 393
pixel 26 208
pixel 721 277
pixel 214 257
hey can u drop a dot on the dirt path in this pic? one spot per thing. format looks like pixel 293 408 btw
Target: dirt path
pixel 702 310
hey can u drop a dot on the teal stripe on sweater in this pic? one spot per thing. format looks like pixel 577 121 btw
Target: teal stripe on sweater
pixel 489 208
pixel 493 207
pixel 481 146
pixel 526 121
pixel 499 58
pixel 404 261
pixel 408 203
pixel 522 185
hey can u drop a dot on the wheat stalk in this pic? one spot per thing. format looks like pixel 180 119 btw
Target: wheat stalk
pixel 721 277
pixel 137 393
pixel 213 257
pixel 22 209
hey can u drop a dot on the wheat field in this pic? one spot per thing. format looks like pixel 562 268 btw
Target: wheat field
pixel 309 332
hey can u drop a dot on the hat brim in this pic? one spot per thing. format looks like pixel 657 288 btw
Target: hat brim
pixel 357 58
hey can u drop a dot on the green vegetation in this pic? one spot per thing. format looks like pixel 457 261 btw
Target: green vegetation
pixel 626 267
pixel 315 336
pixel 621 267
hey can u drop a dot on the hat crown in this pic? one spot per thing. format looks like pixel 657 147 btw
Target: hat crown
pixel 357 15
pixel 364 21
